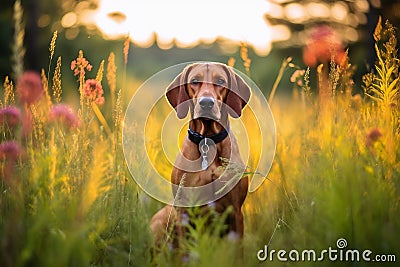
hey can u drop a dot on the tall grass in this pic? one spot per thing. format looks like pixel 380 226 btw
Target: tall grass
pixel 67 198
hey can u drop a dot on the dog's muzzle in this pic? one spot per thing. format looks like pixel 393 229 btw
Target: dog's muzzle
pixel 207 108
pixel 206 103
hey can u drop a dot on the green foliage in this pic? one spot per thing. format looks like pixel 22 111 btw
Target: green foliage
pixel 383 87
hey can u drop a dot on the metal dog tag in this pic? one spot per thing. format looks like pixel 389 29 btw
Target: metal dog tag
pixel 204 163
pixel 204 148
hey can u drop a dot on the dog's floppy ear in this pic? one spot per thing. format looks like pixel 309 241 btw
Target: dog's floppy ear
pixel 177 95
pixel 238 94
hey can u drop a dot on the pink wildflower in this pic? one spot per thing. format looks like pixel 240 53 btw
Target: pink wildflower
pixel 10 150
pixel 29 87
pixel 80 64
pixel 93 91
pixel 9 116
pixel 64 114
pixel 297 77
pixel 373 135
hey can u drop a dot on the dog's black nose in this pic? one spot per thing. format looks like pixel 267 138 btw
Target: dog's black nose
pixel 206 103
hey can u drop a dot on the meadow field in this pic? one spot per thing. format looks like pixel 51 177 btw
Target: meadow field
pixel 68 199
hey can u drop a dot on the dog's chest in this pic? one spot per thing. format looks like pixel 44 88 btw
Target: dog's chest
pixel 204 177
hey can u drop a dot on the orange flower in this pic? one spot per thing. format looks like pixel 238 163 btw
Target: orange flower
pixel 324 43
pixel 80 64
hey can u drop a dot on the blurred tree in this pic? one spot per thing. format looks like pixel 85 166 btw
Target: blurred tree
pixel 41 18
pixel 353 21
pixel 313 29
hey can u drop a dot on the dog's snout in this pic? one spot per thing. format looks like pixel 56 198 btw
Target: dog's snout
pixel 206 103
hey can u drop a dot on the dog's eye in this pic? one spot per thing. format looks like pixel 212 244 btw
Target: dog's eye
pixel 220 82
pixel 194 81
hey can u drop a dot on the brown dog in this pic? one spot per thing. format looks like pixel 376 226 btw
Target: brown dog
pixel 210 92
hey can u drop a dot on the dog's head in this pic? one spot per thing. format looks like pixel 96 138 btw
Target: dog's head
pixel 209 90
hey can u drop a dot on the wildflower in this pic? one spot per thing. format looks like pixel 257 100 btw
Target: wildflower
pixel 211 204
pixel 93 91
pixel 144 198
pixel 373 135
pixel 10 116
pixel 297 77
pixel 80 64
pixel 10 150
pixel 29 87
pixel 193 256
pixel 232 236
pixel 323 43
pixel 185 219
pixel 64 114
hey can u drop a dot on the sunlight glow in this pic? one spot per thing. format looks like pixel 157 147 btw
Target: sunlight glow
pixel 185 22
pixel 318 10
pixel 295 12
pixel 339 11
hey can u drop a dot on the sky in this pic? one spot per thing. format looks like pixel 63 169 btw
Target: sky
pixel 187 22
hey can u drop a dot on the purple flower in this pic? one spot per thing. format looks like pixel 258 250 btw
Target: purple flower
pixel 211 205
pixel 63 113
pixel 29 87
pixel 10 116
pixel 185 219
pixel 193 256
pixel 10 150
pixel 233 236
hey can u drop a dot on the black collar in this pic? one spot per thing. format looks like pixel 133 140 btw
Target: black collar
pixel 196 137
